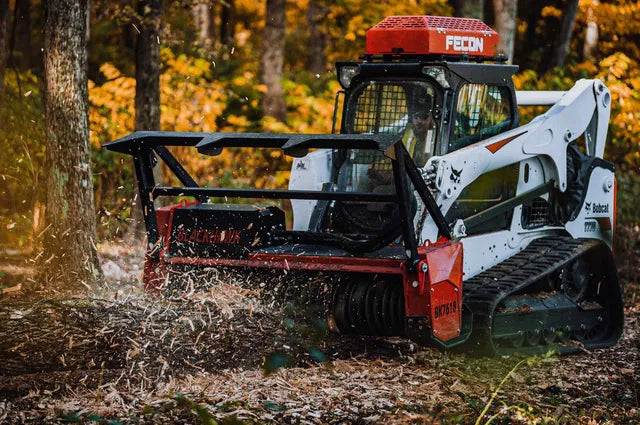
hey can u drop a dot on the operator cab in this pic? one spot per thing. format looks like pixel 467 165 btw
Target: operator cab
pixel 437 82
pixel 448 61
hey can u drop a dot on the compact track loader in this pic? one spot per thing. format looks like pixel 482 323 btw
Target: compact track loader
pixel 438 216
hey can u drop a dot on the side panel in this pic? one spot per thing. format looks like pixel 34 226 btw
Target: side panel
pixel 596 217
pixel 308 173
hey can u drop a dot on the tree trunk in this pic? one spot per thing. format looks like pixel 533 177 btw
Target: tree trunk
pixel 148 66
pixel 272 60
pixel 226 22
pixel 212 27
pixel 469 9
pixel 559 57
pixel 590 48
pixel 505 13
pixel 4 42
pixel 70 254
pixel 147 90
pixel 201 21
pixel 23 34
pixel 530 41
pixel 317 39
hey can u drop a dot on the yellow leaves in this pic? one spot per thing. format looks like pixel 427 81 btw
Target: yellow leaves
pixel 166 55
pixel 551 12
pixel 190 101
pixel 525 79
pixel 112 110
pixel 242 37
pixel 622 76
pixel 238 121
pixel 109 71
pixel 347 41
pixel 261 88
pixel 588 68
pixel 618 64
pixel 634 83
pixel 272 125
pixel 240 81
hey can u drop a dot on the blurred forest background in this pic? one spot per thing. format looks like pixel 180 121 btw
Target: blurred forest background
pixel 222 69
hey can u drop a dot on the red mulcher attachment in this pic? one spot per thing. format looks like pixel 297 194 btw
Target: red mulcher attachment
pixel 421 294
pixel 429 35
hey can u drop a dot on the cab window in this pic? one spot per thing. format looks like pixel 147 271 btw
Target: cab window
pixel 482 111
pixel 391 107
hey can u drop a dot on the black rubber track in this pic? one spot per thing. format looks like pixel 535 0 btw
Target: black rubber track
pixel 543 257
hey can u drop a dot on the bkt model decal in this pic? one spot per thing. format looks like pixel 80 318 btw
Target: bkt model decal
pixel 460 43
pixel 445 309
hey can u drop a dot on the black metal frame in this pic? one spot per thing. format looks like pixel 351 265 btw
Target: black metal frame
pixel 143 145
pixel 507 205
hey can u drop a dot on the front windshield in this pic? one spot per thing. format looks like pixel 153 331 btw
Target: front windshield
pixel 388 107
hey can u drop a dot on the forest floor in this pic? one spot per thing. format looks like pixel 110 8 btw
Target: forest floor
pixel 116 354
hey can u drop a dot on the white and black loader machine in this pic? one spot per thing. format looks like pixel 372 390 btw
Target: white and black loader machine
pixel 435 213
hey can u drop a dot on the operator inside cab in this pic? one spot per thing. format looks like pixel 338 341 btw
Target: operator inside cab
pixel 420 135
pixel 383 107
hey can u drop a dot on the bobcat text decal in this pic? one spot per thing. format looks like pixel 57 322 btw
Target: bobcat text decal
pixel 209 236
pixel 596 208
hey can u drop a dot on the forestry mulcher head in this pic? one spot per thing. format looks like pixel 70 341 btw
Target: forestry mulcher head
pixel 438 215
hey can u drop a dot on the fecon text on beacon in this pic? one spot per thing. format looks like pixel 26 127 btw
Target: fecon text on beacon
pixel 464 44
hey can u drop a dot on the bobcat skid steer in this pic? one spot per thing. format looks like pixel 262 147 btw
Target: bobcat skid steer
pixel 436 214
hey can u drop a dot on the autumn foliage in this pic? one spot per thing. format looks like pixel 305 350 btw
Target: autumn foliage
pixel 214 86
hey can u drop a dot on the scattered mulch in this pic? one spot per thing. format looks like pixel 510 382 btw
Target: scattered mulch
pixel 231 350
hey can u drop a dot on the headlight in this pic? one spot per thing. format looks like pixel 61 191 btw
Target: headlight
pixel 438 74
pixel 346 75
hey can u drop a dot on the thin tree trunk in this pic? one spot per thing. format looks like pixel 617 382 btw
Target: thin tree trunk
pixel 200 12
pixel 23 34
pixel 505 13
pixel 147 89
pixel 317 39
pixel 590 48
pixel 226 22
pixel 70 254
pixel 148 66
pixel 272 60
pixel 559 57
pixel 469 9
pixel 530 41
pixel 212 26
pixel 4 42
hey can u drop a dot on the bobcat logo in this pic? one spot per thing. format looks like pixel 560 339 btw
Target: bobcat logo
pixel 587 206
pixel 455 175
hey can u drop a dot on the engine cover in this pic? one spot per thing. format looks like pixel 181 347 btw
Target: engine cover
pixel 220 230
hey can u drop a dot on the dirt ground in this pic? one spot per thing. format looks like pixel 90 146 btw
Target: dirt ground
pixel 236 353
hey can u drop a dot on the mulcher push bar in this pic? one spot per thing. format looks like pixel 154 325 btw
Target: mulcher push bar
pixel 212 143
pixel 143 144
